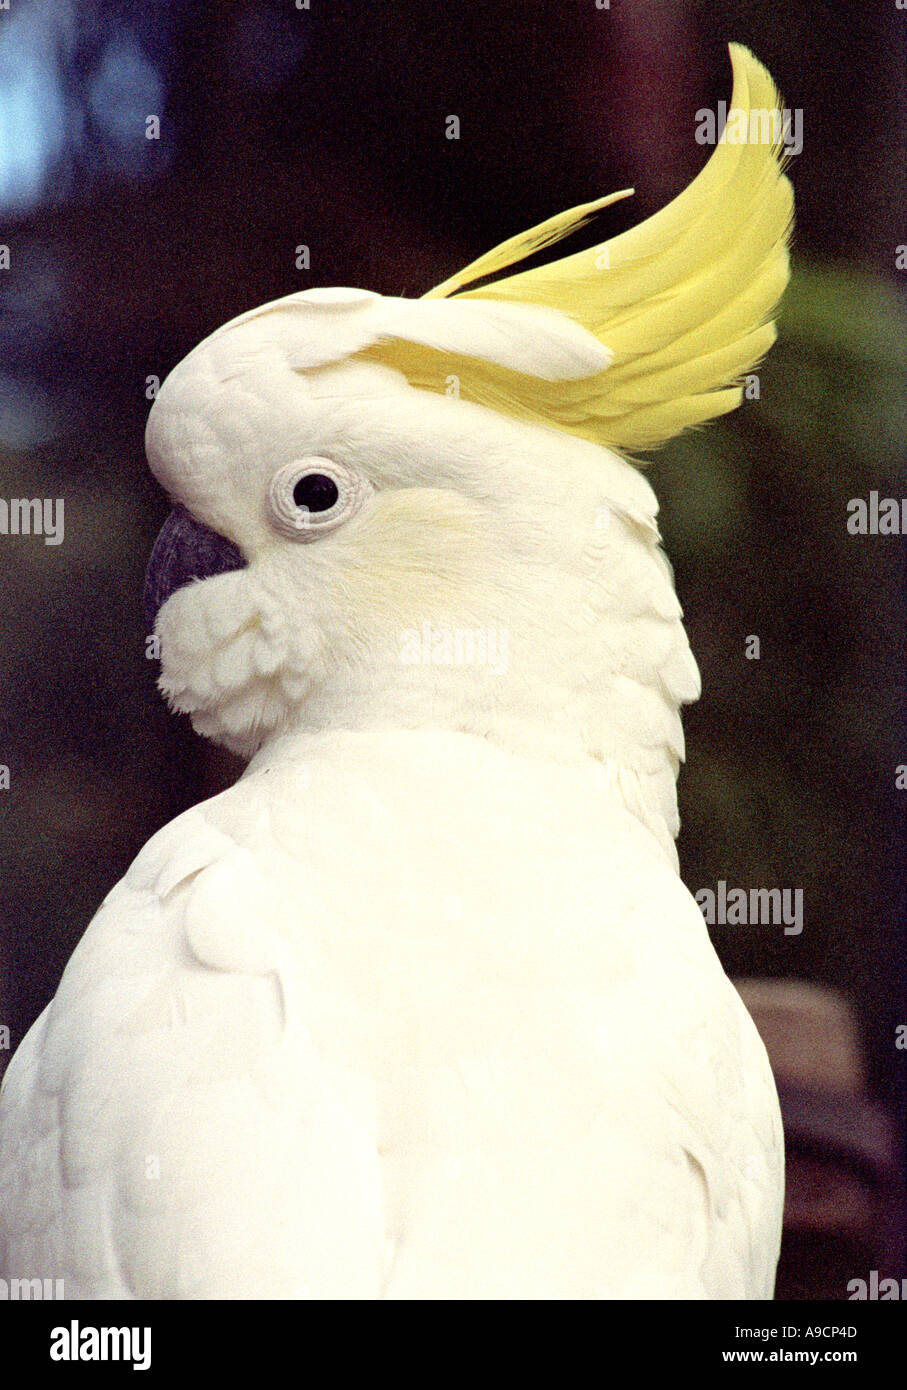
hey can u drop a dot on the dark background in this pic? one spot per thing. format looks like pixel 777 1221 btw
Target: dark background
pixel 326 127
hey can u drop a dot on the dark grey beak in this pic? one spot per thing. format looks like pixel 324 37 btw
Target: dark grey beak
pixel 185 550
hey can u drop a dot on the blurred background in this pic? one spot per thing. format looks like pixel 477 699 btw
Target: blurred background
pixel 281 125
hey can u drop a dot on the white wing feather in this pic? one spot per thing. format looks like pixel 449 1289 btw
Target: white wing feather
pixel 351 1030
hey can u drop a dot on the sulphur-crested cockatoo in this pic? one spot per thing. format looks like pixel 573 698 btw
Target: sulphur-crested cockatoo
pixel 420 1007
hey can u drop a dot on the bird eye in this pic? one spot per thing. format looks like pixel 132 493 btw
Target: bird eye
pixel 316 492
pixel 313 496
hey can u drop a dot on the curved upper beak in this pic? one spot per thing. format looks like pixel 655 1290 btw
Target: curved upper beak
pixel 185 550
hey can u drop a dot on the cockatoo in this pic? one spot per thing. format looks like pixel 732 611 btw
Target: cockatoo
pixel 420 1007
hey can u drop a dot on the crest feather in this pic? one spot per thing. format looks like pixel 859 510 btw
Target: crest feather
pixel 683 302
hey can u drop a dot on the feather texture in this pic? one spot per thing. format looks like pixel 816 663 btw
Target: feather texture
pixel 420 1008
pixel 271 1072
pixel 683 301
pixel 526 244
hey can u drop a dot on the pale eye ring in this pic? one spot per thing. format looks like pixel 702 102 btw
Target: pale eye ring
pixel 313 496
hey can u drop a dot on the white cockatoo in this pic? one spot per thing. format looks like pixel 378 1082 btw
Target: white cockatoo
pixel 420 1007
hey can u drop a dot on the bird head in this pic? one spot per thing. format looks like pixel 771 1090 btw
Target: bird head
pixel 395 513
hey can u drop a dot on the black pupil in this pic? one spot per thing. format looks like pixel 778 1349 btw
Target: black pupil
pixel 316 491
